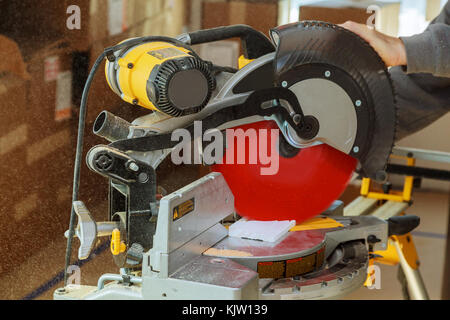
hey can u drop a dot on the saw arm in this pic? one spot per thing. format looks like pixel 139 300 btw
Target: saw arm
pixel 323 93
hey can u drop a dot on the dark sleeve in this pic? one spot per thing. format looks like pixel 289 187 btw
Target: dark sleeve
pixel 421 99
pixel 429 52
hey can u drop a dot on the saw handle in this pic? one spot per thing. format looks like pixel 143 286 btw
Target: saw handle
pixel 254 43
pixel 401 225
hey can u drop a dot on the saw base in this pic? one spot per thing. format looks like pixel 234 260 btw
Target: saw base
pixel 193 257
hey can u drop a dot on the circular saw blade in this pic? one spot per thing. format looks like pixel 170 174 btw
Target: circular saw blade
pixel 318 50
pixel 304 185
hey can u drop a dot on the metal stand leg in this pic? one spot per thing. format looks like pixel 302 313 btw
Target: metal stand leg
pixel 414 282
pixel 446 280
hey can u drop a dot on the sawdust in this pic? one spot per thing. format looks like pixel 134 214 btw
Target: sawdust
pixel 226 253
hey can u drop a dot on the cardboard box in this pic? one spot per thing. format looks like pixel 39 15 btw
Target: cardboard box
pixel 13 107
pixel 37 152
pixel 51 85
pixel 433 9
pixel 167 19
pixel 383 15
pixel 109 18
pixel 83 22
pixel 40 22
pixel 11 60
pixel 261 15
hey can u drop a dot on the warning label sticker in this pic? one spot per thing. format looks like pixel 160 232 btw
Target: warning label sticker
pixel 165 53
pixel 183 209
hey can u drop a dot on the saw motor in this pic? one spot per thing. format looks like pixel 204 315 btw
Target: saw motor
pixel 161 76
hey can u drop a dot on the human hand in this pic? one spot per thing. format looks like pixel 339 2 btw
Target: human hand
pixel 391 49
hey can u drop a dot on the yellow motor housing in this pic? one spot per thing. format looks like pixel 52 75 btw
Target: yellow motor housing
pixel 161 76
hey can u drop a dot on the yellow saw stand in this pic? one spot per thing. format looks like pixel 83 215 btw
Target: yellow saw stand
pixel 401 249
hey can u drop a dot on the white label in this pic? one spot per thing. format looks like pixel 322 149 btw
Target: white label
pixel 63 96
pixel 51 68
pixel 116 13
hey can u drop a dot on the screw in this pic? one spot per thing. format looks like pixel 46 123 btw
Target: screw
pixel 356 149
pixel 143 177
pixel 358 103
pixel 130 66
pixel 133 166
pixel 327 74
pixel 372 239
pixel 284 84
pixel 135 101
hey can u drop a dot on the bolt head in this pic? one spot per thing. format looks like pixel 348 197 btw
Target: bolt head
pixel 327 74
pixel 356 149
pixel 358 103
pixel 143 177
pixel 297 118
pixel 61 290
pixel 104 162
pixel 284 84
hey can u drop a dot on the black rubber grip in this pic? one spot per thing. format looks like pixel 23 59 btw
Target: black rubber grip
pixel 401 225
pixel 419 172
pixel 254 43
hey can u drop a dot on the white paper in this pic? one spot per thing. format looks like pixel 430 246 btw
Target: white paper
pixel 269 231
pixel 51 68
pixel 115 16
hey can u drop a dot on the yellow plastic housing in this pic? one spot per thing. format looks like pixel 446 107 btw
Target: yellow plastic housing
pixel 133 70
pixel 117 245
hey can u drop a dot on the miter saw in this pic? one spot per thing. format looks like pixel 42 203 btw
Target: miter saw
pixel 319 91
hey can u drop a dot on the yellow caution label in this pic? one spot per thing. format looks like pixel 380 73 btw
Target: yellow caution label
pixel 183 209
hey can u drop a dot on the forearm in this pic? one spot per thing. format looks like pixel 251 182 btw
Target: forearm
pixel 429 52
